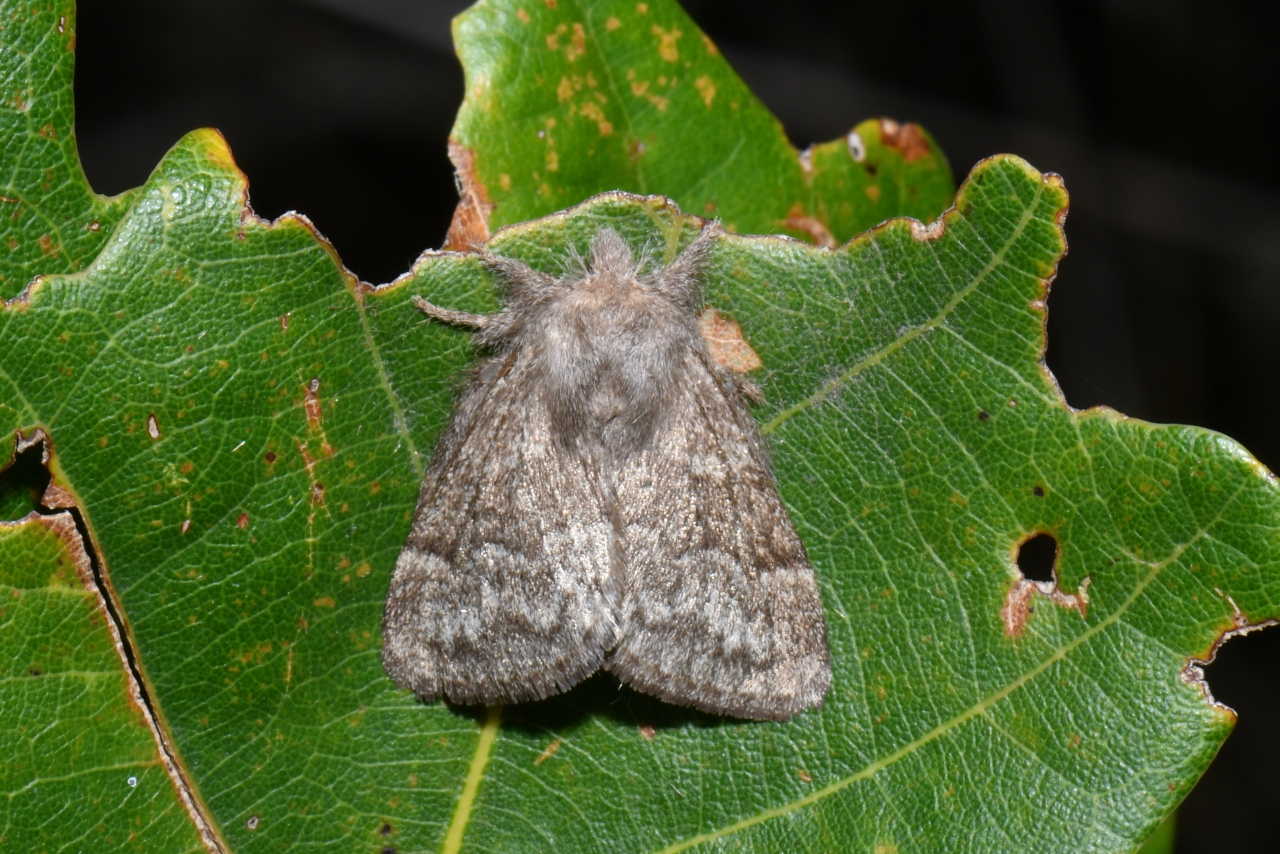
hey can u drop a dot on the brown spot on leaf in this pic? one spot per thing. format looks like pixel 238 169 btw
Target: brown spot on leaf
pixel 812 226
pixel 24 442
pixel 57 498
pixel 932 231
pixel 325 602
pixel 242 521
pixel 724 339
pixel 907 139
pixel 313 404
pixel 470 225
pixel 647 732
pixel 805 776
pixel 548 753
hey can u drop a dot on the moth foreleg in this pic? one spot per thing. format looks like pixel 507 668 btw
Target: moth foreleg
pixel 448 315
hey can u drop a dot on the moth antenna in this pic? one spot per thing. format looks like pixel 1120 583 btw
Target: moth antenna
pixel 680 281
pixel 575 266
pixel 448 315
pixel 645 258
pixel 522 282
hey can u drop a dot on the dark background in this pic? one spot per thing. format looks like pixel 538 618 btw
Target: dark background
pixel 1160 115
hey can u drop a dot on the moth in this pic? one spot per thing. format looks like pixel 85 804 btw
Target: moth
pixel 602 498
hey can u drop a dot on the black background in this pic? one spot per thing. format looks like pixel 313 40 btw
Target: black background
pixel 1160 116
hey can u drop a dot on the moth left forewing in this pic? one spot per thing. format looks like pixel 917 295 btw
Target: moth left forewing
pixel 502 592
pixel 720 607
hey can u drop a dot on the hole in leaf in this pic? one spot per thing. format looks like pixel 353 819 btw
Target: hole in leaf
pixel 1037 556
pixel 23 483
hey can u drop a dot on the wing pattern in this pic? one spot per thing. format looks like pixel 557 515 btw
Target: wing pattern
pixel 719 606
pixel 499 595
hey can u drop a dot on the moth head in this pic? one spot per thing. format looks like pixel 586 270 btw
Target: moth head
pixel 611 255
pixel 610 263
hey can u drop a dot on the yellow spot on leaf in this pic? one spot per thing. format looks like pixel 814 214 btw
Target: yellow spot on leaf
pixel 642 8
pixel 667 42
pixel 612 24
pixel 553 161
pixel 522 15
pixel 638 87
pixel 547 754
pixel 712 50
pixel 593 112
pixel 504 181
pixel 325 602
pixel 553 40
pixel 706 89
pixel 873 193
pixel 565 90
pixel 578 46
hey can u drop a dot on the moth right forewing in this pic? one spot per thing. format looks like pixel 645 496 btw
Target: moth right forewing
pixel 720 605
pixel 502 592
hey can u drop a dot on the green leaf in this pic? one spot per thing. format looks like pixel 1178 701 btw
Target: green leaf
pixel 77 759
pixel 251 527
pixel 50 221
pixel 576 97
pixel 244 428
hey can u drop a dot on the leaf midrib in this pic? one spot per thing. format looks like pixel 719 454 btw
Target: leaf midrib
pixel 876 357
